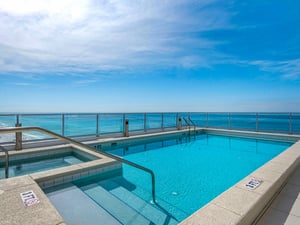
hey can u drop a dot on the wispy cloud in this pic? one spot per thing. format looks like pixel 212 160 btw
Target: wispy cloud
pixel 288 69
pixel 59 36
pixel 24 84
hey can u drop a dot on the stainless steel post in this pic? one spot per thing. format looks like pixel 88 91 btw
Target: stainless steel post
pixel 256 128
pixel 145 122
pixel 18 137
pixel 162 121
pixel 126 128
pixel 179 126
pixel 63 124
pixel 97 125
pixel 291 123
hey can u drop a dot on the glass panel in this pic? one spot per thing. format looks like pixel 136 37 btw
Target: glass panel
pixel 170 120
pixel 80 124
pixel 296 123
pixel 154 121
pixel 218 120
pixel 274 122
pixel 49 122
pixel 110 123
pixel 243 121
pixel 136 121
pixel 199 119
pixel 7 121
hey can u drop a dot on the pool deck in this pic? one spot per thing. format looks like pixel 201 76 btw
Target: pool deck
pixel 275 201
pixel 285 209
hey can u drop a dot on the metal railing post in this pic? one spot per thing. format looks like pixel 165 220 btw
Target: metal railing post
pixel 179 124
pixel 229 121
pixel 256 125
pixel 18 136
pixel 291 123
pixel 162 121
pixel 145 122
pixel 63 124
pixel 123 122
pixel 126 128
pixel 97 125
pixel 207 119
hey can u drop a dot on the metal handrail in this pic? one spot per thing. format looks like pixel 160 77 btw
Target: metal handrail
pixel 6 160
pixel 76 143
pixel 190 123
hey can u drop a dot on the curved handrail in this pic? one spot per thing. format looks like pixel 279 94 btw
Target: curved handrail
pixel 190 123
pixel 6 160
pixel 58 136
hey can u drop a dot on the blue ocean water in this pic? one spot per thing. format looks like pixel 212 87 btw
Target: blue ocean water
pixel 191 173
pixel 104 123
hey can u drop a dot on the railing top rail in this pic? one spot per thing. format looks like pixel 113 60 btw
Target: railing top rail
pixel 128 113
pixel 76 143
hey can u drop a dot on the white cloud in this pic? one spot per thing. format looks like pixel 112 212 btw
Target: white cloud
pixel 289 69
pixel 66 35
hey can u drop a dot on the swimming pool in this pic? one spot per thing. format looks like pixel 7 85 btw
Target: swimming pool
pixel 190 171
pixel 30 163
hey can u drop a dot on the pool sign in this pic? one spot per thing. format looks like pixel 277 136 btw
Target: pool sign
pixel 29 198
pixel 253 183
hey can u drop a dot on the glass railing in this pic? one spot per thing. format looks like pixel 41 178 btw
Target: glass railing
pixel 98 124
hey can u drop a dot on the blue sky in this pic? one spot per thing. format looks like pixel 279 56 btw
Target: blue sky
pixel 149 56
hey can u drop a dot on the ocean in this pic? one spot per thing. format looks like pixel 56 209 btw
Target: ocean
pixel 84 124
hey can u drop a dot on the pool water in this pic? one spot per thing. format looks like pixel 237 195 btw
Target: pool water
pixel 189 172
pixel 42 163
pixel 192 172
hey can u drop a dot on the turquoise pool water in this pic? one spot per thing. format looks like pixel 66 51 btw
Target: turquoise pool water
pixel 42 163
pixel 189 171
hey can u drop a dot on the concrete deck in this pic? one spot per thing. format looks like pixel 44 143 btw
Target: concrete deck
pixel 285 209
pixel 13 211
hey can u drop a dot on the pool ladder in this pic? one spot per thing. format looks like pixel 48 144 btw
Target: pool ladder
pixel 190 124
pixel 75 143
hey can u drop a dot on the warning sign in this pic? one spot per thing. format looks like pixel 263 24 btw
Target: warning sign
pixel 29 198
pixel 253 183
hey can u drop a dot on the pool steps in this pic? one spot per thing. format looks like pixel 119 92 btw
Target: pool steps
pixel 118 209
pixel 69 206
pixel 114 196
pixel 118 205
pixel 119 189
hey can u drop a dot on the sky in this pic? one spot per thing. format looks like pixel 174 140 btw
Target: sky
pixel 149 56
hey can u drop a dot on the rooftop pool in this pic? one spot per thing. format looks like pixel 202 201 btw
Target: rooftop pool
pixel 190 171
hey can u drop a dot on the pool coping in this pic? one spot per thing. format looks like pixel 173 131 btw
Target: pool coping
pixel 237 205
